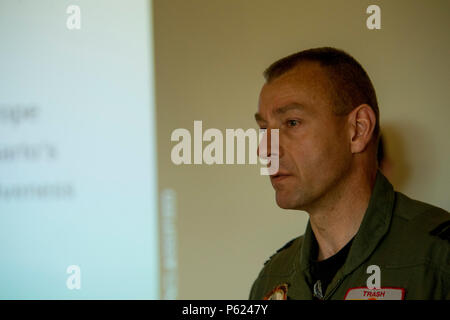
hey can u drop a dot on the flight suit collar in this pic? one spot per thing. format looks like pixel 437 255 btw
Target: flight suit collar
pixel 374 226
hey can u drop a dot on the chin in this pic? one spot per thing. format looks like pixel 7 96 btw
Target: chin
pixel 297 200
pixel 287 202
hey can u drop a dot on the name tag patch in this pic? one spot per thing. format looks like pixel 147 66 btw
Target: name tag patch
pixel 387 293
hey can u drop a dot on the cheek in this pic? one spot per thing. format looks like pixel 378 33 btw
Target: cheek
pixel 336 152
pixel 319 149
pixel 322 151
pixel 306 155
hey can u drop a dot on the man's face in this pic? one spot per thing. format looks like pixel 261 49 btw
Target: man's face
pixel 314 146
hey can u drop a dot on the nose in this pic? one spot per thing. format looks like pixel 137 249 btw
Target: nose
pixel 269 152
pixel 268 144
pixel 263 147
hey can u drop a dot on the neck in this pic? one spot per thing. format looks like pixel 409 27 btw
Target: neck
pixel 335 218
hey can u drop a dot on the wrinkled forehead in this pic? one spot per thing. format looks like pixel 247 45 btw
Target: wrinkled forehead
pixel 307 84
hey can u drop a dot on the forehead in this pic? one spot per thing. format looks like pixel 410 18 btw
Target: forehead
pixel 306 84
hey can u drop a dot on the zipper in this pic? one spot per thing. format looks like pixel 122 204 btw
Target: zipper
pixel 338 282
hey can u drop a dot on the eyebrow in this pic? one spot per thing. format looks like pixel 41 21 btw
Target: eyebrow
pixel 292 106
pixel 282 110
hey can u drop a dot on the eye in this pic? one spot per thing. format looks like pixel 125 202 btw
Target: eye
pixel 292 123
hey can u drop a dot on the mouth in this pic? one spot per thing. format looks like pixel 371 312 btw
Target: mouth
pixel 279 177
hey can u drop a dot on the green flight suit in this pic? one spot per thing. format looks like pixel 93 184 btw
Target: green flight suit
pixel 407 239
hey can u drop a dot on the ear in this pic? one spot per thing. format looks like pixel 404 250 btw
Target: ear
pixel 362 122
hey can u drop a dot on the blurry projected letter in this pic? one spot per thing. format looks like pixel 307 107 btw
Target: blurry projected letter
pixel 169 245
pixel 77 151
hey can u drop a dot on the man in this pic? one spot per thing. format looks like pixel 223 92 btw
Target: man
pixel 363 240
